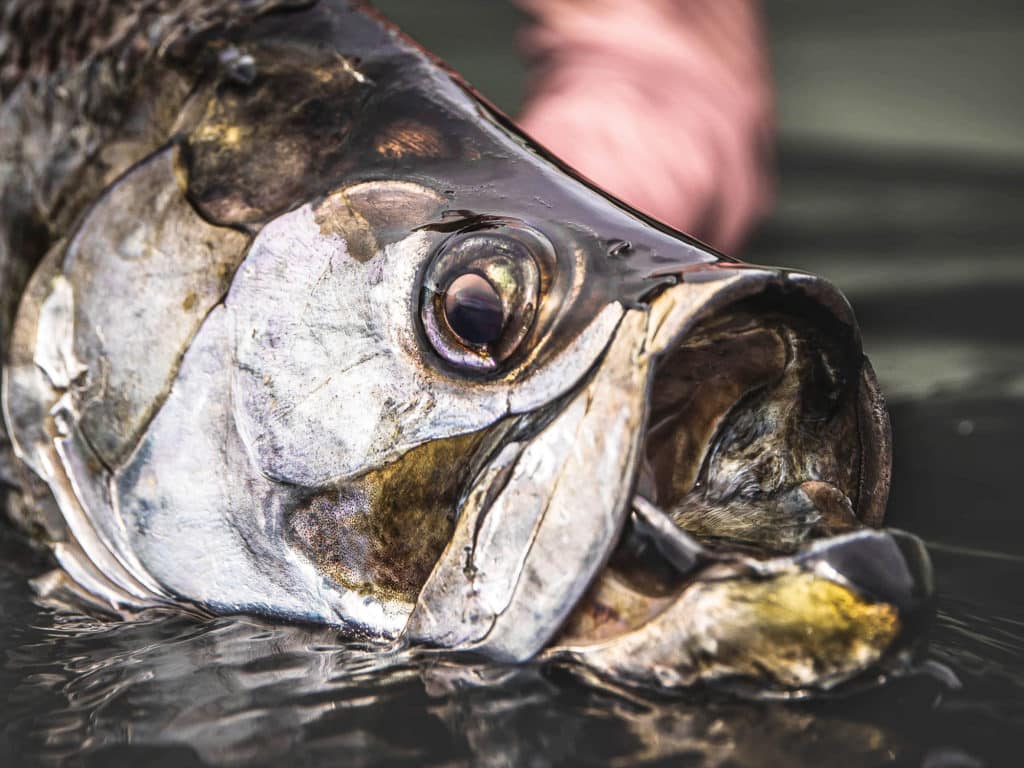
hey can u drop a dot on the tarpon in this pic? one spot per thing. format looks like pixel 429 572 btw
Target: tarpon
pixel 296 324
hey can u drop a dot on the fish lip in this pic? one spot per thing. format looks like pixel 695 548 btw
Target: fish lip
pixel 649 663
pixel 898 583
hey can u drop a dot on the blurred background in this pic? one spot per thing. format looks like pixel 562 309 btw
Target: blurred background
pixel 907 74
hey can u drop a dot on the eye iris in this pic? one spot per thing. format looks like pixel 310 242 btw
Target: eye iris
pixel 474 310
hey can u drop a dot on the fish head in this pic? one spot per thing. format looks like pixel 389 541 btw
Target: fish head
pixel 573 432
pixel 455 394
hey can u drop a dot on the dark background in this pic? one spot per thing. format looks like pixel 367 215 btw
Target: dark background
pixel 906 74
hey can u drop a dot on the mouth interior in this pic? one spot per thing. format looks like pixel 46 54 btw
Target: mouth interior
pixel 751 446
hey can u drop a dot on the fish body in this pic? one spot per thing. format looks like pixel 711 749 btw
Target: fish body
pixel 298 325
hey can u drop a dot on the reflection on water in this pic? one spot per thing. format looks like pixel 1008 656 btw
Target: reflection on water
pixel 228 691
pixel 176 691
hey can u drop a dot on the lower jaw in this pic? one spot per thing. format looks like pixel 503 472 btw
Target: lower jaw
pixel 790 626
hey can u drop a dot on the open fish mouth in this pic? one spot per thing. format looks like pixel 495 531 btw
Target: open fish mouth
pixel 403 372
pixel 702 508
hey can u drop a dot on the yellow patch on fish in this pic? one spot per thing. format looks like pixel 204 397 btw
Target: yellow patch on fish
pixel 794 627
pixel 385 540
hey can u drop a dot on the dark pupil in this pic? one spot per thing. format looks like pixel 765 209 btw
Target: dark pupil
pixel 473 309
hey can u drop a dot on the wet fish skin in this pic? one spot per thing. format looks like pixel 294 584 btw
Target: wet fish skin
pixel 182 101
pixel 230 383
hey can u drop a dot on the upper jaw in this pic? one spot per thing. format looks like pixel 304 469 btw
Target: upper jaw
pixel 528 565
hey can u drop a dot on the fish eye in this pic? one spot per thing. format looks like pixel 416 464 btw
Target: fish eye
pixel 481 294
pixel 473 309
